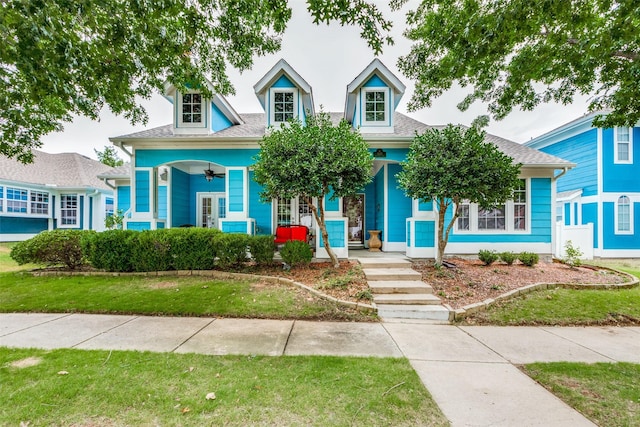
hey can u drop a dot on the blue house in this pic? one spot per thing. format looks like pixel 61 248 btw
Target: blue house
pixel 602 194
pixel 197 171
pixel 55 191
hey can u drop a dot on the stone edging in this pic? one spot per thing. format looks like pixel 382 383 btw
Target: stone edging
pixel 461 313
pixel 217 274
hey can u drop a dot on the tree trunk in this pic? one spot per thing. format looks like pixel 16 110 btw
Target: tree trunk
pixel 318 213
pixel 442 210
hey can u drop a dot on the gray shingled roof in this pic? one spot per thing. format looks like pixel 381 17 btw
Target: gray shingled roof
pixel 404 128
pixel 65 170
pixel 123 171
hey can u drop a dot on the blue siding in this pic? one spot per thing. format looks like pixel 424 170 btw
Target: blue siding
pixel 17 225
pixel 124 198
pixel 620 178
pixel 258 210
pixel 222 157
pixel 619 241
pixel 142 191
pixel 567 214
pixel 335 229
pixel 139 225
pixel 580 149
pixel 331 205
pixel 236 191
pixel 162 202
pixel 180 195
pixel 394 154
pixel 234 227
pixel 375 81
pixel 218 120
pixel 379 197
pixel 399 207
pixel 590 215
pixel 283 82
pixel 425 206
pixel 425 234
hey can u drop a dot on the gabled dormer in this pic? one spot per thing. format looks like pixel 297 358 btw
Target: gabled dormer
pixel 284 95
pixel 372 98
pixel 194 114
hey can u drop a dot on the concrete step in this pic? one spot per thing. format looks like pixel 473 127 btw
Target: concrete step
pixel 391 274
pixel 384 263
pixel 426 312
pixel 404 287
pixel 406 299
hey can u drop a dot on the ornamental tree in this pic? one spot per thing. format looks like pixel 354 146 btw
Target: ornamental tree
pixel 109 156
pixel 64 58
pixel 519 53
pixel 456 164
pixel 313 160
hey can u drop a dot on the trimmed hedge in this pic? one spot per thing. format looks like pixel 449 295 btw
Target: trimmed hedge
pixel 231 249
pixel 56 247
pixel 112 250
pixel 296 252
pixel 262 249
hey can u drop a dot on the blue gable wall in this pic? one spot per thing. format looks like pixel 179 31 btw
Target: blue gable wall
pixel 375 81
pixel 218 120
pixel 620 177
pixel 580 149
pixel 283 82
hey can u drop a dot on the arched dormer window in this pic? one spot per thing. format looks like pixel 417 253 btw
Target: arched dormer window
pixel 624 214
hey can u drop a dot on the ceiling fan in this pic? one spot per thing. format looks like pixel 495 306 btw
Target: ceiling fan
pixel 210 174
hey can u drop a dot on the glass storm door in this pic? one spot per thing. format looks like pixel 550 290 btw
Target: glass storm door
pixel 211 207
pixel 353 208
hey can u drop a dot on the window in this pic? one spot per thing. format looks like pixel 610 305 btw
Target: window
pixel 293 211
pixel 16 200
pixel 191 108
pixel 69 209
pixel 374 107
pixel 623 145
pixel 559 211
pixel 284 216
pixel 1 199
pixel 513 216
pixel 623 217
pixel 283 106
pixel 39 202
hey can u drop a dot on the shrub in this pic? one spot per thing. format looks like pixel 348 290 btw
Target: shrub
pixel 528 258
pixel 54 247
pixel 111 250
pixel 231 249
pixel 572 257
pixel 487 257
pixel 508 257
pixel 262 249
pixel 150 251
pixel 192 248
pixel 296 252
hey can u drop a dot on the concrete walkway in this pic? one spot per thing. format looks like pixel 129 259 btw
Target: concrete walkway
pixel 469 371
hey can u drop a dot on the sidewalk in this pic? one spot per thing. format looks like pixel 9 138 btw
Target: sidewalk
pixel 469 371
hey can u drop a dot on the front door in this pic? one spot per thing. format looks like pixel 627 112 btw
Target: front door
pixel 211 207
pixel 353 208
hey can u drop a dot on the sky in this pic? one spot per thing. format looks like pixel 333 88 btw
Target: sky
pixel 328 58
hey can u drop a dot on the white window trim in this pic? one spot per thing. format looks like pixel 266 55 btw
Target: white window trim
pixel 509 218
pixel 295 207
pixel 59 209
pixel 180 123
pixel 615 147
pixel 387 106
pixel 27 214
pixel 615 216
pixel 272 104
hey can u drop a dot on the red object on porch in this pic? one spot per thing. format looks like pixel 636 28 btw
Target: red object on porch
pixel 284 233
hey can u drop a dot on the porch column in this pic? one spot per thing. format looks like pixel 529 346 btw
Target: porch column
pixel 237 193
pixel 421 230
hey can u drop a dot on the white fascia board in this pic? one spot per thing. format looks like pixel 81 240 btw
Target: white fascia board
pixel 282 67
pixel 575 127
pixel 568 195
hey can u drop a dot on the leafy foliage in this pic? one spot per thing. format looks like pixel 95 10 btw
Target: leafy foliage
pixel 313 160
pixel 454 164
pixel 262 249
pixel 56 247
pixel 109 156
pixel 508 257
pixel 295 252
pixel 487 257
pixel 572 255
pixel 115 220
pixel 518 53
pixel 111 250
pixel 65 58
pixel 528 258
pixel 231 249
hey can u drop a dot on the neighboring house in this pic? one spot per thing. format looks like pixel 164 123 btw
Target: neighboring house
pixel 600 198
pixel 197 171
pixel 55 191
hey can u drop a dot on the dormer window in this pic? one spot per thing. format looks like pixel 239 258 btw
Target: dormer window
pixel 375 110
pixel 283 105
pixel 623 143
pixel 191 110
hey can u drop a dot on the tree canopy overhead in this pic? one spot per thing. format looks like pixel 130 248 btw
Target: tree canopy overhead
pixel 519 53
pixel 73 57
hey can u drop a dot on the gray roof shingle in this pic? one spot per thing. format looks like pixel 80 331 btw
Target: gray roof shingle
pixel 64 170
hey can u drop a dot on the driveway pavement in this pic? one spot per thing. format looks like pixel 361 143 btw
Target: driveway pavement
pixel 470 371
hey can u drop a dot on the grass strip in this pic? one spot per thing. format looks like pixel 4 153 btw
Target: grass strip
pixel 75 387
pixel 606 393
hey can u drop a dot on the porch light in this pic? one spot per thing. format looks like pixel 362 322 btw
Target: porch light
pixel 379 153
pixel 210 174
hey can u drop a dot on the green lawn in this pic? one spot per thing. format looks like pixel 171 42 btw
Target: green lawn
pixel 606 393
pixel 570 307
pixel 132 388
